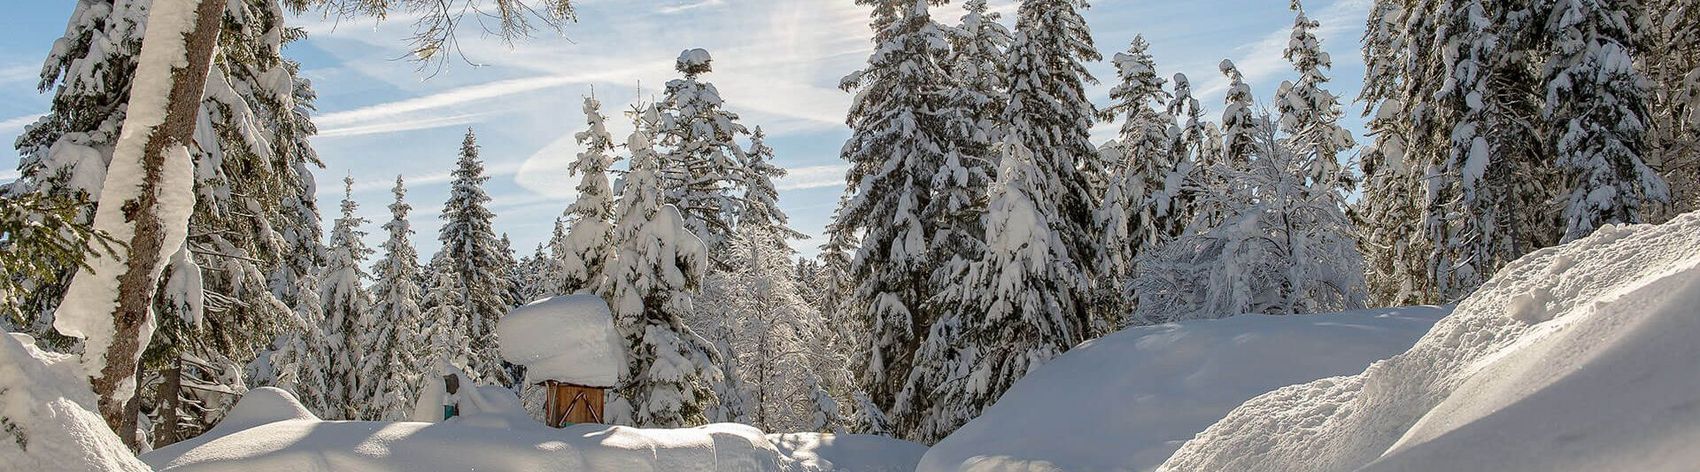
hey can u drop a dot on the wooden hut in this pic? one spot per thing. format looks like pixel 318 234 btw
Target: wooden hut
pixel 569 347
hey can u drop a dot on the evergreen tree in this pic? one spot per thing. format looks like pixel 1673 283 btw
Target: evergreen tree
pixel 1190 151
pixel 1022 298
pixel 581 253
pixel 398 316
pixel 701 162
pixel 300 358
pixel 1051 116
pixel 761 197
pixel 978 48
pixel 1140 204
pixel 1389 215
pixel 904 126
pixel 470 249
pixel 349 320
pixel 658 263
pixel 1672 61
pixel 1239 120
pixel 1597 106
pixel 1310 114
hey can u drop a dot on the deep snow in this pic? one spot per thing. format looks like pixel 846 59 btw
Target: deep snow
pixel 47 417
pixel 1578 357
pixel 269 431
pixel 570 338
pixel 1128 400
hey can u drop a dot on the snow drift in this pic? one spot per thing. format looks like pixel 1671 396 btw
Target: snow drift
pixel 1578 357
pixel 270 431
pixel 47 417
pixel 1128 400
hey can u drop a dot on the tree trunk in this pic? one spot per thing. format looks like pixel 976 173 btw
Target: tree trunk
pixel 170 403
pixel 138 281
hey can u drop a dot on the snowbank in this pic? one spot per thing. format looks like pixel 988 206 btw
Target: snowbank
pixel 47 418
pixel 848 452
pixel 568 338
pixel 269 431
pixel 1580 357
pixel 1128 400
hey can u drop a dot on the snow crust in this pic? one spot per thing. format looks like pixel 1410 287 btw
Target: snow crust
pixel 47 414
pixel 569 338
pixel 1577 357
pixel 1128 400
pixel 286 438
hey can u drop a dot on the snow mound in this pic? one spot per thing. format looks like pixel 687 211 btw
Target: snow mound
pixel 47 417
pixel 568 338
pixel 848 452
pixel 1578 357
pixel 1128 400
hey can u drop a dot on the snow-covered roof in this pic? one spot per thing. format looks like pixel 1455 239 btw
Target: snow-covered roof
pixel 568 338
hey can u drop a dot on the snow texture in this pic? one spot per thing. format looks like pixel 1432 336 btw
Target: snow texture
pixel 274 433
pixel 568 338
pixel 47 417
pixel 1127 400
pixel 1577 357
pixel 848 452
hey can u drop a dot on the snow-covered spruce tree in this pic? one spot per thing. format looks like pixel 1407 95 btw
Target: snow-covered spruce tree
pixel 902 122
pixel 1189 150
pixel 1239 118
pixel 64 154
pixel 1050 115
pixel 1140 204
pixel 658 263
pixel 1389 215
pixel 300 358
pixel 1672 61
pixel 979 45
pixel 701 159
pixel 760 202
pixel 349 320
pixel 1284 247
pixel 580 253
pixel 1310 114
pixel 444 336
pixel 470 249
pixel 1596 103
pixel 398 318
pixel 1022 299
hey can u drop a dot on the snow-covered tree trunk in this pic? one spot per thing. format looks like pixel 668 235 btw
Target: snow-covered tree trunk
pixel 145 202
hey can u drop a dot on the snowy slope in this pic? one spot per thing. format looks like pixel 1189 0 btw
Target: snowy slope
pixel 269 431
pixel 47 417
pixel 1579 357
pixel 1128 400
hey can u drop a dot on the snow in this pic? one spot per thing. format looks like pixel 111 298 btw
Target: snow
pixel 568 338
pixel 47 417
pixel 1577 357
pixel 269 431
pixel 694 60
pixel 848 452
pixel 1127 400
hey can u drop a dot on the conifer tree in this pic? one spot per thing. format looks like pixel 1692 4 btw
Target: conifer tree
pixel 701 160
pixel 659 262
pixel 1672 61
pixel 1051 116
pixel 978 48
pixel 470 249
pixel 1140 204
pixel 300 358
pixel 1309 114
pixel 398 316
pixel 903 128
pixel 349 320
pixel 1597 106
pixel 582 252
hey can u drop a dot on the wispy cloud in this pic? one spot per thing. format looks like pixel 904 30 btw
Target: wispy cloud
pixel 392 125
pixel 1263 58
pixel 813 177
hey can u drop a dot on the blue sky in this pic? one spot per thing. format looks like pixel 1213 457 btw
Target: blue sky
pixel 777 63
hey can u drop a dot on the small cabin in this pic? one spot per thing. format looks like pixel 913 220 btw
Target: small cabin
pixel 567 404
pixel 570 348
